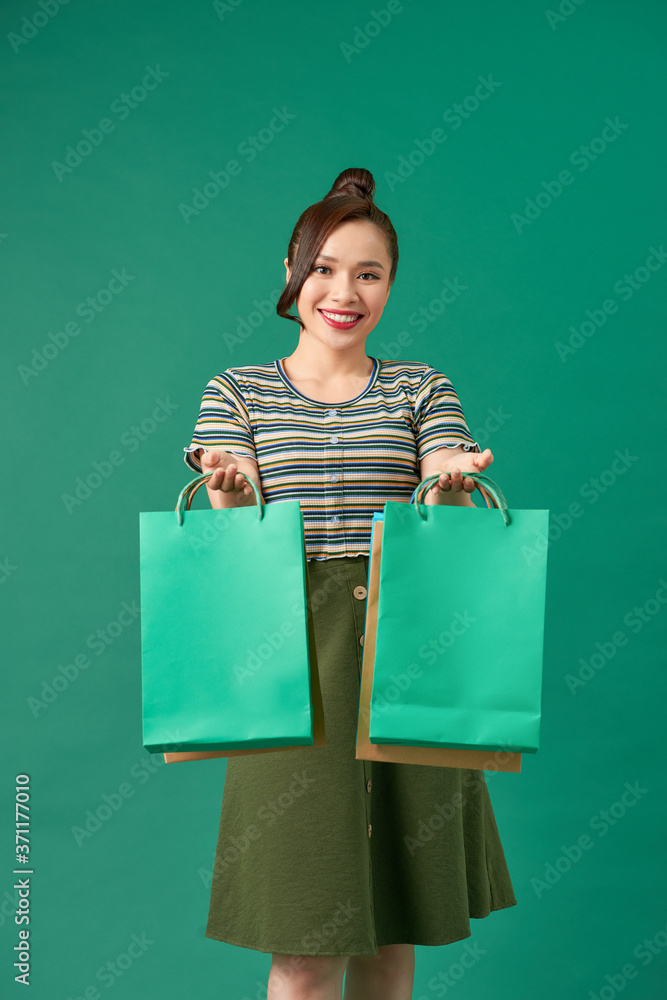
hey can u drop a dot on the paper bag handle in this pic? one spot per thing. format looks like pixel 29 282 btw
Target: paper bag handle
pixel 493 489
pixel 189 491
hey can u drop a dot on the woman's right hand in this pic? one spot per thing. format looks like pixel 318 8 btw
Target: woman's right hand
pixel 228 486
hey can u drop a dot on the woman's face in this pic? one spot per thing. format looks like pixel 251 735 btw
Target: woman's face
pixel 349 275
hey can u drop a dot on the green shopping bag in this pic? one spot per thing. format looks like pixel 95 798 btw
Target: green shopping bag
pixel 224 627
pixel 460 625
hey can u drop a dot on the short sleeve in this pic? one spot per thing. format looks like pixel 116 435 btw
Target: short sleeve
pixel 223 422
pixel 439 418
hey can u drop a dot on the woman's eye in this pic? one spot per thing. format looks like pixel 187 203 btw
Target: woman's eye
pixel 323 267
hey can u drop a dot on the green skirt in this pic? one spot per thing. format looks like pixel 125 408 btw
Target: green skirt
pixel 319 853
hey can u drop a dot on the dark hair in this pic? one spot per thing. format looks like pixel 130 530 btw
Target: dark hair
pixel 350 197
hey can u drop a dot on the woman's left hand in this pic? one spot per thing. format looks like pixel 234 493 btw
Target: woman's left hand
pixel 452 477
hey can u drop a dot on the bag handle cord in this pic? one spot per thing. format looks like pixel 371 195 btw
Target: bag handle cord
pixel 188 491
pixel 494 491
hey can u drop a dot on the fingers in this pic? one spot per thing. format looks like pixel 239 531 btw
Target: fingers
pixel 225 478
pixel 456 481
pixel 454 478
pixel 228 479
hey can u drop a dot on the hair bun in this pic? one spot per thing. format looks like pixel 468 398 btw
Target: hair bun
pixel 356 182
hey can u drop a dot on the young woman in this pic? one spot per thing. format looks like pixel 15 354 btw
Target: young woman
pixel 337 865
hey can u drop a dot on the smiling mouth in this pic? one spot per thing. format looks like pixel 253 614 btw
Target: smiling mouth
pixel 340 318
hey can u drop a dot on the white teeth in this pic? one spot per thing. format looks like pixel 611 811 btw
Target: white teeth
pixel 340 318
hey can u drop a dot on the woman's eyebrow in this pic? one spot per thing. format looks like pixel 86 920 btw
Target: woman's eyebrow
pixel 360 263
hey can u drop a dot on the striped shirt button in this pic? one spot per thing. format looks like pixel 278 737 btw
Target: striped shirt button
pixel 333 439
pixel 332 413
pixel 335 519
pixel 333 479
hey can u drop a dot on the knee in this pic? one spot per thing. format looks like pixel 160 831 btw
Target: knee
pixel 390 960
pixel 307 972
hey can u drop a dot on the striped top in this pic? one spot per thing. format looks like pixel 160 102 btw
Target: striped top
pixel 341 461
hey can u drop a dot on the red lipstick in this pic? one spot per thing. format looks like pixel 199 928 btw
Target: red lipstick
pixel 340 325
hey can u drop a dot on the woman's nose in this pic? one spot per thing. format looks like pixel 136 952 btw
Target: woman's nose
pixel 344 292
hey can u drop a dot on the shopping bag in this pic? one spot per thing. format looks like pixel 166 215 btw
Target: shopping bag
pixel 227 649
pixel 437 756
pixel 460 625
pixel 319 737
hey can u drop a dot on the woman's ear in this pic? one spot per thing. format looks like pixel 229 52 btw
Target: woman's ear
pixel 286 263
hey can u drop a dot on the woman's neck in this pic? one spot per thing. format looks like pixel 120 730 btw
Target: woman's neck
pixel 322 367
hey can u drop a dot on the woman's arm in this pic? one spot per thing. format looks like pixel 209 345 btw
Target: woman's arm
pixel 453 488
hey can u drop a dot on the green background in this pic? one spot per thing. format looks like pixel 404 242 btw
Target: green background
pixel 554 422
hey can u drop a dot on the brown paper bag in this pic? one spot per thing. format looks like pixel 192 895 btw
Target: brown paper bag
pixel 319 736
pixel 482 760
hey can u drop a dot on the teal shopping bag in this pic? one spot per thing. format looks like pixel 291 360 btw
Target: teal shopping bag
pixel 460 629
pixel 225 646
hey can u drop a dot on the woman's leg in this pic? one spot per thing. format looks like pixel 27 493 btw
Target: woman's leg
pixel 389 975
pixel 306 977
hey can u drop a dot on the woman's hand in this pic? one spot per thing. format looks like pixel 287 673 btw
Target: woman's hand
pixel 228 486
pixel 452 479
